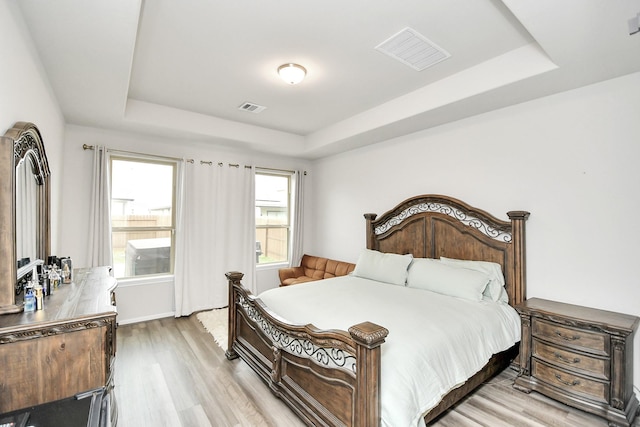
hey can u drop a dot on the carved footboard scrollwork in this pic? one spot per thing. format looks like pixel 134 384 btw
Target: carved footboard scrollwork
pixel 331 353
pixel 327 377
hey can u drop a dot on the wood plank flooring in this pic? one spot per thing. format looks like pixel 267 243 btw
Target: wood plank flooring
pixel 170 372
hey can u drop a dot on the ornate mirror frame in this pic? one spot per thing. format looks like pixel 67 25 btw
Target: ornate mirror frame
pixel 21 141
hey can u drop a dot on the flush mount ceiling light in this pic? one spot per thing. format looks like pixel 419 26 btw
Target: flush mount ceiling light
pixel 292 73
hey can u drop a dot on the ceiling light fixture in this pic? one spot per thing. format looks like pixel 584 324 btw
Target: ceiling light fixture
pixel 292 73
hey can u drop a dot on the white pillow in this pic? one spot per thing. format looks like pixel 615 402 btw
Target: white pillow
pixel 383 267
pixel 429 274
pixel 496 290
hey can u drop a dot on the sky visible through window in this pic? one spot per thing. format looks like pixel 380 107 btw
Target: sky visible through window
pixel 147 186
pixel 272 188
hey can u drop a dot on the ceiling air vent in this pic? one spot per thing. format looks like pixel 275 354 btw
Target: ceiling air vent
pixel 413 49
pixel 252 108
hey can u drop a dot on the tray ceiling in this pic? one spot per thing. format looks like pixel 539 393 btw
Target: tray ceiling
pixel 183 69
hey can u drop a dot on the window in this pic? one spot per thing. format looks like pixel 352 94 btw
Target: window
pixel 273 216
pixel 142 216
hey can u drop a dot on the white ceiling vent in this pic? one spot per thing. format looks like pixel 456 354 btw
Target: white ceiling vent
pixel 413 49
pixel 251 107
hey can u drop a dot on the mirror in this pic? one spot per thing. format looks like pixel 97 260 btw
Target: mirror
pixel 24 208
pixel 26 212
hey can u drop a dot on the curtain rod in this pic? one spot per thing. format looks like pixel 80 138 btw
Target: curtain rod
pixel 91 147
pixel 202 162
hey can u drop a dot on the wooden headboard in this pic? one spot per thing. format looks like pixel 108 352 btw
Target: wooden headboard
pixel 431 226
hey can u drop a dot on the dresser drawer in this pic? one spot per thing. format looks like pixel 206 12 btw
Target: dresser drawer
pixel 593 366
pixel 592 342
pixel 575 384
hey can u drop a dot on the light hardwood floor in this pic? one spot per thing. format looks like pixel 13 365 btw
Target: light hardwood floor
pixel 170 372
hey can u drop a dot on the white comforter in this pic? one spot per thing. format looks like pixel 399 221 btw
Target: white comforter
pixel 435 341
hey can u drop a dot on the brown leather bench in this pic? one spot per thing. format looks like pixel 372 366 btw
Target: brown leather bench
pixel 314 268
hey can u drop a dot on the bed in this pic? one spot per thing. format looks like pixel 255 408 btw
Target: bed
pixel 332 376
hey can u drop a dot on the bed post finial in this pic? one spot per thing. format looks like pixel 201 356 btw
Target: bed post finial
pixel 234 278
pixel 518 240
pixel 370 217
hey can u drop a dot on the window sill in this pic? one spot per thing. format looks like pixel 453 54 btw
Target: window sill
pixel 272 266
pixel 145 280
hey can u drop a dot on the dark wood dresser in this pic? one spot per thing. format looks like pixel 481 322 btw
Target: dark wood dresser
pixel 67 348
pixel 580 356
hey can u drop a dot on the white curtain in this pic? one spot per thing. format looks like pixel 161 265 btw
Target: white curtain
pixel 297 249
pixel 215 234
pixel 99 251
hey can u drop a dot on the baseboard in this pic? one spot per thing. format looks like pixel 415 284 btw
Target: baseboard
pixel 146 318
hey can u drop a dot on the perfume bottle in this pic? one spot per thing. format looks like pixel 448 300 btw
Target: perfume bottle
pixel 29 298
pixel 39 297
pixel 54 277
pixel 66 273
pixel 67 266
pixel 45 283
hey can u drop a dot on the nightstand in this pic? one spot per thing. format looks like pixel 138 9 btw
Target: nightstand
pixel 580 356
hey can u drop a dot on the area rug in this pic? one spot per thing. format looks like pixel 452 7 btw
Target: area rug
pixel 215 322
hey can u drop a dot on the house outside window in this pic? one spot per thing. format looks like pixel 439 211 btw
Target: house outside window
pixel 273 216
pixel 142 216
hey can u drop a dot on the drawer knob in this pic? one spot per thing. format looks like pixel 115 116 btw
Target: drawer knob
pixel 566 359
pixel 567 337
pixel 569 383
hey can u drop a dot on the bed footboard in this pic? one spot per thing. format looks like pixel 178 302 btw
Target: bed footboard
pixel 328 377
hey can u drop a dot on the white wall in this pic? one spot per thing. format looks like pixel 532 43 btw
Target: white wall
pixel 570 159
pixel 141 299
pixel 25 95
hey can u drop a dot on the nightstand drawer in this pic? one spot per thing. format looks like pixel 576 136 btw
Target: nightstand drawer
pixel 592 342
pixel 575 384
pixel 581 363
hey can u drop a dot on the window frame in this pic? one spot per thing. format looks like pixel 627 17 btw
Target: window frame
pixel 290 207
pixel 174 197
